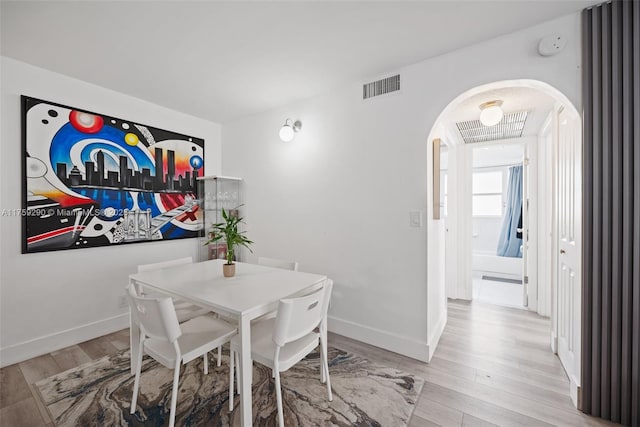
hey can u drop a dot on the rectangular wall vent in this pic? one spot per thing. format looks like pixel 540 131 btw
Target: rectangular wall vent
pixel 511 126
pixel 380 87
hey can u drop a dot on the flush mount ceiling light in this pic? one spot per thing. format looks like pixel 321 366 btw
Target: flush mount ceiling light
pixel 289 129
pixel 491 113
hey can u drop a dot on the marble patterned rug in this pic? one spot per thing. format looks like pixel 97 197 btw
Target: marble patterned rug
pixel 99 394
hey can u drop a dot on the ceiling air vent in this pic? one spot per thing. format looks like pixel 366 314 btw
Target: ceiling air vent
pixel 511 126
pixel 380 87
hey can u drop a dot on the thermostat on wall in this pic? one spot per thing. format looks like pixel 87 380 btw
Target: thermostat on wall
pixel 552 44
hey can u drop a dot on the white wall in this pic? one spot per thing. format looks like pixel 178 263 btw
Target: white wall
pixel 55 299
pixel 337 199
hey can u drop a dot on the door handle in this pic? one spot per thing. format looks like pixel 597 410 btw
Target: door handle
pixel 562 251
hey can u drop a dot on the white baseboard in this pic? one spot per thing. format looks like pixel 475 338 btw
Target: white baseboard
pixel 573 392
pixel 383 339
pixel 434 338
pixel 42 345
pixel 554 343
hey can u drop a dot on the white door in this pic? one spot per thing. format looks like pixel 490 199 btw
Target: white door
pixel 569 215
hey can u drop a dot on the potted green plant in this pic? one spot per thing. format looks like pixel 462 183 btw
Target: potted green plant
pixel 228 230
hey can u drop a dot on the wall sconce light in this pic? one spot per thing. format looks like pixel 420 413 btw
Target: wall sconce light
pixel 491 113
pixel 289 129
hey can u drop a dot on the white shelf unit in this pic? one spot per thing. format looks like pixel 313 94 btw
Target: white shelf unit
pixel 214 194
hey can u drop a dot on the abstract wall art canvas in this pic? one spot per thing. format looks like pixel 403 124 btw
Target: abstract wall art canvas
pixel 94 180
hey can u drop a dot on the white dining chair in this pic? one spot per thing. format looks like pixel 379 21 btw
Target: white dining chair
pixel 171 343
pixel 184 309
pixel 278 263
pixel 281 342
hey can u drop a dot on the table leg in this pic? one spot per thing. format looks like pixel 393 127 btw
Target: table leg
pixel 246 371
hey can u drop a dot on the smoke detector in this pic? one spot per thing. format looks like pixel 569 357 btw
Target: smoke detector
pixel 552 44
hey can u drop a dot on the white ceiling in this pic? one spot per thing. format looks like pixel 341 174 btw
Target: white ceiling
pixel 225 60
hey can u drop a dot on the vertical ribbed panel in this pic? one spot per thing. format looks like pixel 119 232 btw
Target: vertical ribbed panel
pixel 611 224
pixel 616 213
pixel 635 331
pixel 605 252
pixel 627 209
pixel 587 220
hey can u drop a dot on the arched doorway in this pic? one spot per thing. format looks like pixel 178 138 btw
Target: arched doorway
pixel 554 251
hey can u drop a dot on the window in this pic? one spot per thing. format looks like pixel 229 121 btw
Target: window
pixel 487 193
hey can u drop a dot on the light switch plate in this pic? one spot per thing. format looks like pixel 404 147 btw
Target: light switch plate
pixel 415 219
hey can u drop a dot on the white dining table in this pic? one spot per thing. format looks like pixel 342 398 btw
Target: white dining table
pixel 254 291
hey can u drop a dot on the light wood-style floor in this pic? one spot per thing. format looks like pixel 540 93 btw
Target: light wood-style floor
pixel 493 366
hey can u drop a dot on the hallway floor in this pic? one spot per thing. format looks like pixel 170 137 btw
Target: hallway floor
pixel 499 293
pixel 493 366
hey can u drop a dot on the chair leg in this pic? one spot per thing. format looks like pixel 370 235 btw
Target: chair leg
pixel 174 394
pixel 134 342
pixel 231 379
pixel 325 367
pixel 322 375
pixel 239 373
pixel 206 363
pixel 279 399
pixel 323 337
pixel 219 356
pixel 136 383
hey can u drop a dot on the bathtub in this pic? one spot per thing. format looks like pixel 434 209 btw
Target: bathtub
pixel 490 264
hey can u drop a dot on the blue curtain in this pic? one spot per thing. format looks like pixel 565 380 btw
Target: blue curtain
pixel 509 243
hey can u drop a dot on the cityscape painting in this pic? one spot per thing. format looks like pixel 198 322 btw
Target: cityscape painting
pixel 94 180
